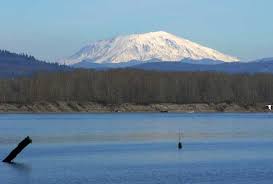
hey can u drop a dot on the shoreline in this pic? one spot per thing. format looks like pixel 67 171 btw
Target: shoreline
pixel 91 107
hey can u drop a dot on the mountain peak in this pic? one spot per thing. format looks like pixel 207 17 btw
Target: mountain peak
pixel 157 33
pixel 154 33
pixel 143 47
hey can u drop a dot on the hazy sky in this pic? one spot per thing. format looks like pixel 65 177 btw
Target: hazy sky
pixel 52 29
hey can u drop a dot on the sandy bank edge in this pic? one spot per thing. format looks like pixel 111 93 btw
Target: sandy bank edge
pixel 68 107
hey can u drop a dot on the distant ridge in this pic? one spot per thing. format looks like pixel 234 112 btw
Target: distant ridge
pixel 87 64
pixel 260 66
pixel 14 65
pixel 144 47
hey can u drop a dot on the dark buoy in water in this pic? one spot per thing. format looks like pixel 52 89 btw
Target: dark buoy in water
pixel 179 143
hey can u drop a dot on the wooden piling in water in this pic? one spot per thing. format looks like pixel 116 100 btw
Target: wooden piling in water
pixel 17 150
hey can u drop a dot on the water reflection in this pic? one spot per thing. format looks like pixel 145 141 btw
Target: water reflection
pixel 20 167
pixel 16 172
pixel 66 128
pixel 71 148
pixel 146 136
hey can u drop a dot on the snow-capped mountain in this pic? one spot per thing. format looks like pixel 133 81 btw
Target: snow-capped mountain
pixel 143 47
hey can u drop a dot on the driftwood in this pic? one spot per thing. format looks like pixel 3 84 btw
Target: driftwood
pixel 18 149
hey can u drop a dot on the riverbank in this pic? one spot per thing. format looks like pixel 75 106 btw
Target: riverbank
pixel 58 107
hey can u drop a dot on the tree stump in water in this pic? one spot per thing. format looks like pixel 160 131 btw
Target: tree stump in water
pixel 18 149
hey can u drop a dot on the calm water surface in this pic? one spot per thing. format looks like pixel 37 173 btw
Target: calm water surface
pixel 138 148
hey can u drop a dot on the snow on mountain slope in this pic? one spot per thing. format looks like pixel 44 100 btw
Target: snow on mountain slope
pixel 143 47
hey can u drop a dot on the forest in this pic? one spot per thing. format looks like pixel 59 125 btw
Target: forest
pixel 139 87
pixel 15 65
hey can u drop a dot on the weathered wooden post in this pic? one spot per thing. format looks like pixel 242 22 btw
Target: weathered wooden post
pixel 18 149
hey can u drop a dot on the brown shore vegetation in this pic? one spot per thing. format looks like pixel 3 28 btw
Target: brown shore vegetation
pixel 116 88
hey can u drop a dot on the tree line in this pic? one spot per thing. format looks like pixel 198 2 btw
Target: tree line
pixel 139 87
pixel 14 65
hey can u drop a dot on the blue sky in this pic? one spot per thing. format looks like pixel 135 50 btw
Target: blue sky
pixel 52 29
